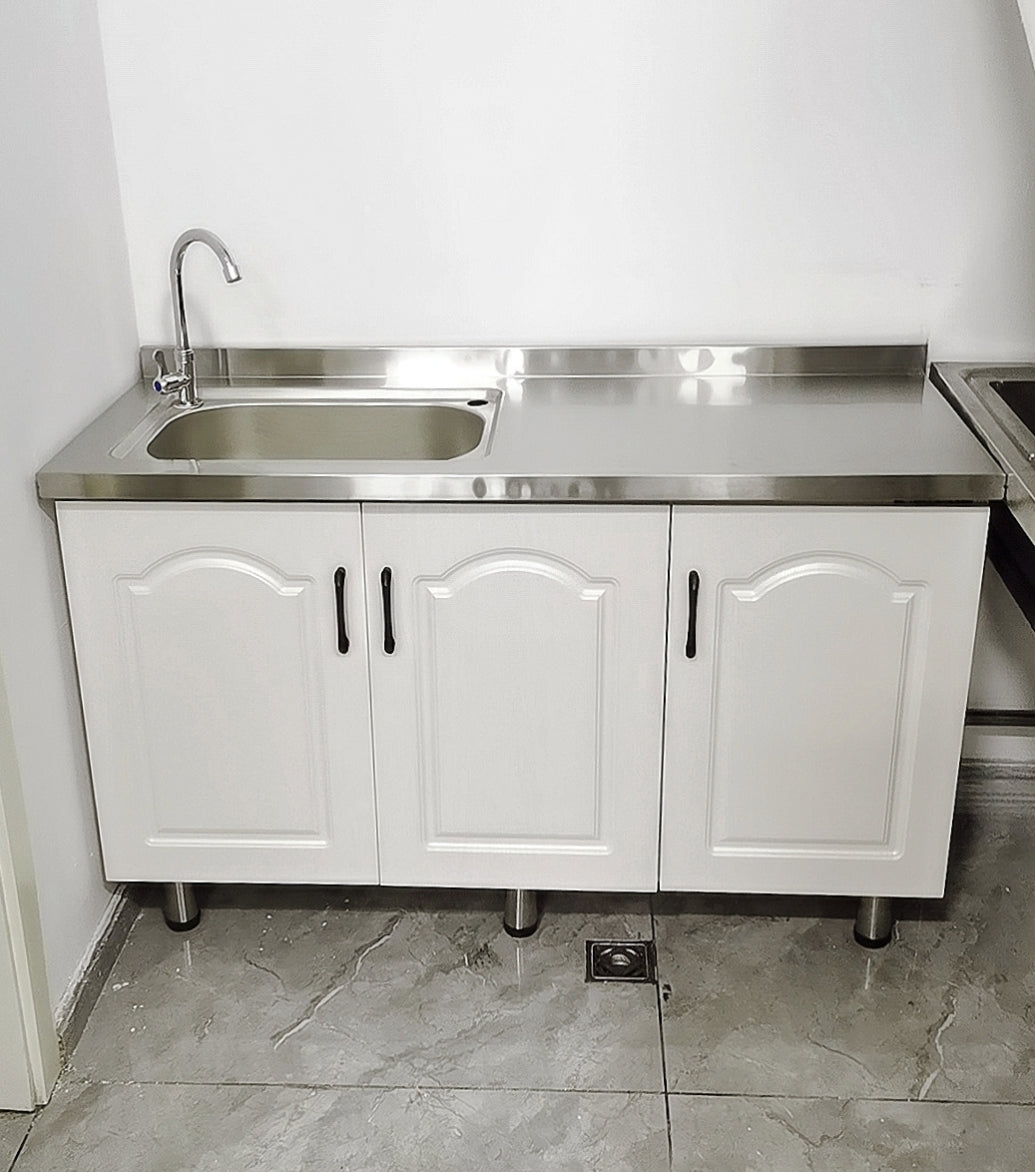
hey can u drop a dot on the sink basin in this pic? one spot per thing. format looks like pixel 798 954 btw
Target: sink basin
pixel 320 431
pixel 1019 396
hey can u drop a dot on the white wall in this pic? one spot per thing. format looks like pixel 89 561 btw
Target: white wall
pixel 594 170
pixel 69 334
pixel 1004 652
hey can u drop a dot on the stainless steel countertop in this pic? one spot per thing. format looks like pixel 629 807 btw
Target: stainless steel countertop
pixel 692 424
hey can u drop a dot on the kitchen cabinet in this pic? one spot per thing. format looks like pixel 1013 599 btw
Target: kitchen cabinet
pixel 813 731
pixel 518 715
pixel 229 737
pixel 500 713
pixel 517 721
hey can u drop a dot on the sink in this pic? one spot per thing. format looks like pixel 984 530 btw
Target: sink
pixel 321 431
pixel 1019 396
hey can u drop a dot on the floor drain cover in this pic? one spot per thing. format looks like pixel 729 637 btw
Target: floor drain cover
pixel 620 960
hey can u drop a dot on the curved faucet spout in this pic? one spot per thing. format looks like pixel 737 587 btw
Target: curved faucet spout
pixel 231 273
pixel 183 380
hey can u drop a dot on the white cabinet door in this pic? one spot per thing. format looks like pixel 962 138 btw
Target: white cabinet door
pixel 517 723
pixel 812 742
pixel 229 737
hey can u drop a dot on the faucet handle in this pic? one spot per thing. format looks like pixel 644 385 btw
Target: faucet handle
pixel 161 372
pixel 167 382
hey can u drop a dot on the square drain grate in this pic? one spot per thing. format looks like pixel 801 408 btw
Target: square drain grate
pixel 621 960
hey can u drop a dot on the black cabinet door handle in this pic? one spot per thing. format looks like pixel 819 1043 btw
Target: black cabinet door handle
pixel 693 584
pixel 339 610
pixel 386 607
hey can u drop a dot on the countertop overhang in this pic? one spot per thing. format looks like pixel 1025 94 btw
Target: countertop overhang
pixel 679 424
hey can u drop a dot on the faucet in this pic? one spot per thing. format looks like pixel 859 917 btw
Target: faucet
pixel 182 380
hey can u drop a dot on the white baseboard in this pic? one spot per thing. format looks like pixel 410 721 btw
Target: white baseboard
pixel 1007 744
pixel 998 768
pixel 92 971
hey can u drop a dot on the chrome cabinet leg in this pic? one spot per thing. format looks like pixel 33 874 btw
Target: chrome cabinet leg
pixel 180 906
pixel 521 912
pixel 874 922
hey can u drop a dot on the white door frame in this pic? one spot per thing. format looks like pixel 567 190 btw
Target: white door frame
pixel 28 1039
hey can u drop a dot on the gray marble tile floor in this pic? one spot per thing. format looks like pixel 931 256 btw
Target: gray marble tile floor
pixel 14 1127
pixel 353 1029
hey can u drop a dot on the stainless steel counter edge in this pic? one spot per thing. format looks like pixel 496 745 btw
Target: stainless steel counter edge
pixel 804 383
pixel 718 489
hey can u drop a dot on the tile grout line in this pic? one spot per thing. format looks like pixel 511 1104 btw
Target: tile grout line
pixel 661 1030
pixel 25 1140
pixel 905 1100
pixel 366 1086
pixel 515 1089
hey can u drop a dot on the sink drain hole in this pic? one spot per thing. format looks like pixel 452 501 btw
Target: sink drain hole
pixel 621 960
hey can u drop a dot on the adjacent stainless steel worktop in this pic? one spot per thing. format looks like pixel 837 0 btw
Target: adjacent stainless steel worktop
pixel 983 395
pixel 970 389
pixel 811 425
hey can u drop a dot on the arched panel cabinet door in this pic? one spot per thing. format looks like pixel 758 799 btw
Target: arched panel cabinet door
pixel 228 720
pixel 815 713
pixel 517 673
